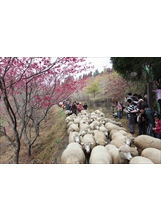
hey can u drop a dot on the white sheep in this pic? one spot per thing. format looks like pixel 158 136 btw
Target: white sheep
pixel 112 132
pixel 93 116
pixel 134 152
pixel 100 138
pixel 153 154
pixel 73 154
pixel 111 126
pixel 113 122
pixel 104 130
pixel 74 137
pixel 98 111
pixel 85 118
pixel 69 123
pixel 73 128
pixel 68 112
pixel 124 132
pixel 84 113
pixel 77 120
pixel 83 132
pixel 100 155
pixel 70 118
pixel 144 141
pixel 121 155
pixel 84 121
pixel 94 125
pixel 117 143
pixel 101 119
pixel 84 128
pixel 140 160
pixel 88 142
pixel 122 141
pixel 119 136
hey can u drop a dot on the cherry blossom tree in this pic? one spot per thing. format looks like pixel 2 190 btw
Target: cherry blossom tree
pixel 28 89
pixel 117 87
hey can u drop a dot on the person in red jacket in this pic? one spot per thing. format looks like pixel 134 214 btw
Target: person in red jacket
pixel 157 128
pixel 79 107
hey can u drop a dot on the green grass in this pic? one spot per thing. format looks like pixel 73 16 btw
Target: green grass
pixel 58 141
pixel 61 113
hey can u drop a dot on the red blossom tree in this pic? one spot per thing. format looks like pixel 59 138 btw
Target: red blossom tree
pixel 28 89
pixel 117 87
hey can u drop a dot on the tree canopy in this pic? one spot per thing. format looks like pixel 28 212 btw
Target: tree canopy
pixel 93 88
pixel 136 68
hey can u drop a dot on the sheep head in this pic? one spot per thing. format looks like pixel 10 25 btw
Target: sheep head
pixel 87 147
pixel 124 152
pixel 128 141
pixel 77 139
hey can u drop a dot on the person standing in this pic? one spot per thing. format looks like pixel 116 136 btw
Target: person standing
pixel 149 115
pixel 141 124
pixel 130 115
pixel 63 105
pixel 68 106
pixel 140 118
pixel 74 108
pixel 157 128
pixel 119 109
pixel 79 107
pixel 129 96
pixel 85 106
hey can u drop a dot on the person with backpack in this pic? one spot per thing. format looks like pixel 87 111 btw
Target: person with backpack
pixel 149 115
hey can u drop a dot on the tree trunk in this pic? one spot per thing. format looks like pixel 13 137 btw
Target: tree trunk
pixel 29 150
pixel 16 155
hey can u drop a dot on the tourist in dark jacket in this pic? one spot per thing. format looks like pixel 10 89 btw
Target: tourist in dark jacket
pixel 149 115
pixel 74 108
pixel 85 106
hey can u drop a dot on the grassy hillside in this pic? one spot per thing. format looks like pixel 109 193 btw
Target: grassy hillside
pixel 49 145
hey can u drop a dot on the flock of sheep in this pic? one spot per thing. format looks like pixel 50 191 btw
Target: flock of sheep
pixel 95 139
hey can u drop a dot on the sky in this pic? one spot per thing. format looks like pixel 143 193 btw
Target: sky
pixel 100 63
